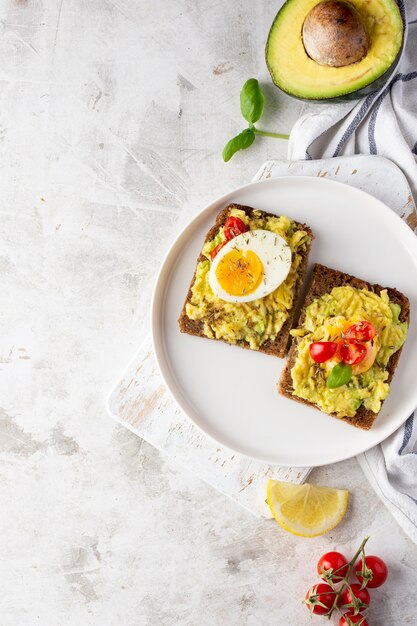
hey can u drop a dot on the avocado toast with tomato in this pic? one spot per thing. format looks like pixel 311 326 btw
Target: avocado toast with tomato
pixel 346 348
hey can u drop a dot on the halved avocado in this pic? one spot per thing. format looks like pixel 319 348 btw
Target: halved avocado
pixel 334 50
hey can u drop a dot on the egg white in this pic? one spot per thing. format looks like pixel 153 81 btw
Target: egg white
pixel 273 251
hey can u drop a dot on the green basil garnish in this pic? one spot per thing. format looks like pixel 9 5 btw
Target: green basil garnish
pixel 251 101
pixel 242 141
pixel 340 375
pixel 252 108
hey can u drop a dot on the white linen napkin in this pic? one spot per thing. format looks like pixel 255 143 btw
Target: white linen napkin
pixel 383 123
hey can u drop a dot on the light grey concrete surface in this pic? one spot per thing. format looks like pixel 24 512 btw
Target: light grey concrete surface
pixel 112 119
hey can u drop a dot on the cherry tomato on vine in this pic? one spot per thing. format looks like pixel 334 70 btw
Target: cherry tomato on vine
pixel 217 249
pixel 354 619
pixel 233 227
pixel 378 571
pixel 362 331
pixel 321 351
pixel 320 593
pixel 352 352
pixel 334 561
pixel 355 590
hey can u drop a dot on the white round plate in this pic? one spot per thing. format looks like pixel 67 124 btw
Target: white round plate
pixel 231 393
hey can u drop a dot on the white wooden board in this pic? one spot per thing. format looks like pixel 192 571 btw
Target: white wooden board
pixel 141 403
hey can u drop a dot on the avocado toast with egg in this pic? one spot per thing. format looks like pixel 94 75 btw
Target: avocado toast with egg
pixel 346 348
pixel 260 261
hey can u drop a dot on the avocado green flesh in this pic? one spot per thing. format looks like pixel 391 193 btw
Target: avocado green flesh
pixel 323 321
pixel 253 322
pixel 297 74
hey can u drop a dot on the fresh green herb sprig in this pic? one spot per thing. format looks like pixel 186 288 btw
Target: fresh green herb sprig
pixel 252 103
pixel 339 375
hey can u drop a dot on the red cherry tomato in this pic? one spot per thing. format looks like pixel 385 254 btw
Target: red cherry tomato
pixel 320 593
pixel 362 331
pixel 321 351
pixel 352 352
pixel 347 597
pixel 217 249
pixel 233 227
pixel 354 619
pixel 379 571
pixel 333 561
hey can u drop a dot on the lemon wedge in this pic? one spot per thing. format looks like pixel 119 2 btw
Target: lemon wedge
pixel 306 510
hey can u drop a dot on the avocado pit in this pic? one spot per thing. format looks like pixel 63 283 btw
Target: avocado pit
pixel 334 34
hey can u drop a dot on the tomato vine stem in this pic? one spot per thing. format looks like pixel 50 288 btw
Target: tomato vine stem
pixel 345 580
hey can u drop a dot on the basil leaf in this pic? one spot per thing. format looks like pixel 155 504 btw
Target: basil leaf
pixel 251 101
pixel 340 375
pixel 242 141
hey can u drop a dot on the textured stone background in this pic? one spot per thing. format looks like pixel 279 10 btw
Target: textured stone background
pixel 112 119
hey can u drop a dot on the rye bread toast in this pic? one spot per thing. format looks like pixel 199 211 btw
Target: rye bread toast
pixel 280 345
pixel 322 281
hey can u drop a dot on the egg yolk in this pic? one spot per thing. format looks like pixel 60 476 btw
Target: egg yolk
pixel 239 272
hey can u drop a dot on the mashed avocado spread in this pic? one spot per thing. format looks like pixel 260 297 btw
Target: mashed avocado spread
pixel 324 318
pixel 254 322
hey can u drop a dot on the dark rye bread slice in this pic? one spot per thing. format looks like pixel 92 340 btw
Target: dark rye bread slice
pixel 323 280
pixel 278 347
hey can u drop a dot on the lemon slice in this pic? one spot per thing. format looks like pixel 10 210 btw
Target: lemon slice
pixel 306 510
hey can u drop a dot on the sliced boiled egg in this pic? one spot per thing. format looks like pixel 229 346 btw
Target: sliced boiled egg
pixel 250 266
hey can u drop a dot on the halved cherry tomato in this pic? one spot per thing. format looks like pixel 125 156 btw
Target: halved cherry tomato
pixel 362 331
pixel 233 227
pixel 217 249
pixel 353 619
pixel 352 352
pixel 321 351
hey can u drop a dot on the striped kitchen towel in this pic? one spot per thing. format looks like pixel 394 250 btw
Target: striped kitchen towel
pixel 383 123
